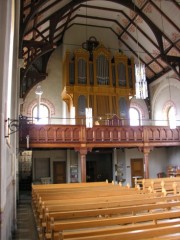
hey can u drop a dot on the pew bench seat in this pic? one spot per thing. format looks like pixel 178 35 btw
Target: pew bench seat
pixel 58 227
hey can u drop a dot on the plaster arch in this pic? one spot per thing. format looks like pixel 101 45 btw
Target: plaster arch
pixel 45 102
pixel 164 96
pixel 51 87
pixel 141 106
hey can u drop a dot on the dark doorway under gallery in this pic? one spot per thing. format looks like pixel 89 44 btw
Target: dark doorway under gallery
pixel 99 166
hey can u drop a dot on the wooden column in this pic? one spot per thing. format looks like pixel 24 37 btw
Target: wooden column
pixel 146 164
pixel 146 151
pixel 83 167
pixel 83 152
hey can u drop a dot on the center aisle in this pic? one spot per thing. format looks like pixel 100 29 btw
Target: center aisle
pixel 26 227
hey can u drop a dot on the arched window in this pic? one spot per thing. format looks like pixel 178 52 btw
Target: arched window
pixel 172 117
pixel 134 115
pixel 43 114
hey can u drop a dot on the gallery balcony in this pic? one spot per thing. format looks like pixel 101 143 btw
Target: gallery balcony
pixel 106 135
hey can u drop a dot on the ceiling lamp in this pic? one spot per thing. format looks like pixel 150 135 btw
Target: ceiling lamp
pixel 140 74
pixel 88 110
pixel 141 83
pixel 38 92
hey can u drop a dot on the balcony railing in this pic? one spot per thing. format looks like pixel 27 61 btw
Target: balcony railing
pixel 60 136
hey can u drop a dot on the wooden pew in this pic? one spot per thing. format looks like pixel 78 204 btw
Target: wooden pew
pixel 93 199
pixel 98 202
pixel 48 188
pixel 123 195
pixel 87 194
pixel 159 184
pixel 171 187
pixel 57 228
pixel 106 212
pixel 153 197
pixel 117 229
pixel 58 190
pixel 94 203
pixel 90 196
pixel 92 191
pixel 51 190
pixel 101 203
pixel 68 185
pixel 168 232
pixel 128 205
pixel 147 234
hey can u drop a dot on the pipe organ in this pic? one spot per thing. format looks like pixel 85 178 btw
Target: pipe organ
pixel 96 79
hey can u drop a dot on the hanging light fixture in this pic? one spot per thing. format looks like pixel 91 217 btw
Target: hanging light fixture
pixel 39 93
pixel 141 83
pixel 88 110
pixel 140 74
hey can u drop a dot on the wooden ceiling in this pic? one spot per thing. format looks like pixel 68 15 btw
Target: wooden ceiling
pixel 148 29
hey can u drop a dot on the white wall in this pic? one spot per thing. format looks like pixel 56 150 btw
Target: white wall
pixel 8 109
pixel 53 155
pixel 158 161
pixel 54 81
pixel 121 164
pixel 165 91
pixel 76 35
pixel 129 154
pixel 174 156
pixel 52 88
pixel 69 156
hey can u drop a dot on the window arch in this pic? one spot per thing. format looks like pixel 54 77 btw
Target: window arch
pixel 169 114
pixel 172 117
pixel 43 114
pixel 134 117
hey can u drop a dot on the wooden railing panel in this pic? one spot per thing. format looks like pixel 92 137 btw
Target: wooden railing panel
pixel 78 134
pixel 59 134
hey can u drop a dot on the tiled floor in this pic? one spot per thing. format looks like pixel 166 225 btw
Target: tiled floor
pixel 26 227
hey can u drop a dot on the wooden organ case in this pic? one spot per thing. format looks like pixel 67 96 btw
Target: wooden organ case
pixel 93 78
